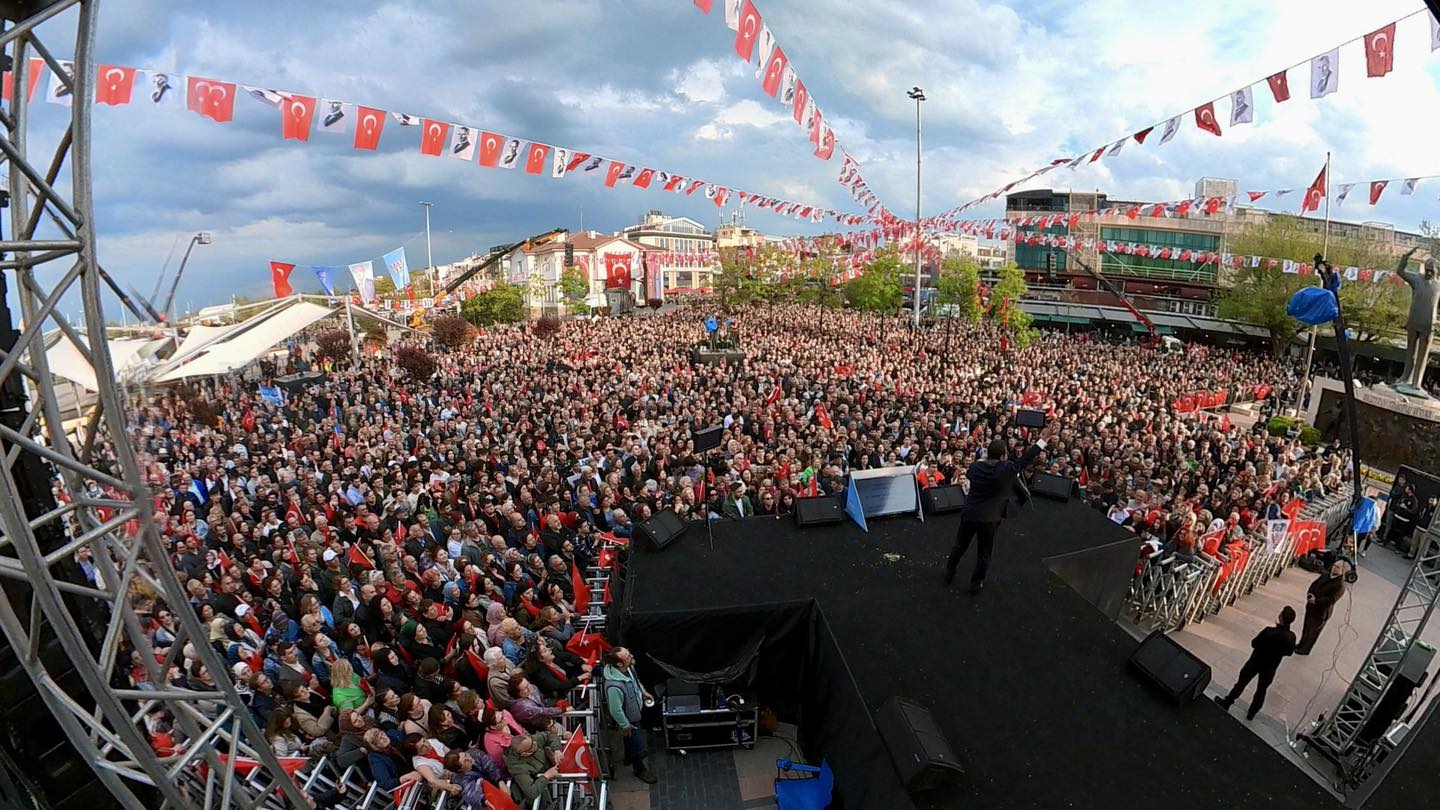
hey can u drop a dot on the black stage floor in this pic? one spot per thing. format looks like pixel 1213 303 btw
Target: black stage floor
pixel 1028 680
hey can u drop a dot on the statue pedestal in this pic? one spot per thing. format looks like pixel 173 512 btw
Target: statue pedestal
pixel 1394 429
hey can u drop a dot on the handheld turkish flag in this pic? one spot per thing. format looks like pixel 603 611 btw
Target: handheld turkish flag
pixel 1380 51
pixel 589 646
pixel 432 138
pixel 490 144
pixel 581 588
pixel 1316 193
pixel 578 756
pixel 774 71
pixel 535 158
pixel 369 123
pixel 296 115
pixel 613 173
pixel 1376 189
pixel 1279 86
pixel 1205 119
pixel 823 414
pixel 113 84
pixel 496 798
pixel 398 794
pixel 359 558
pixel 211 99
pixel 748 31
pixel 280 278
pixel 32 78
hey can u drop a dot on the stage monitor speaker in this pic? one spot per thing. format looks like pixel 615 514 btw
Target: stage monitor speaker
pixel 1175 670
pixel 662 529
pixel 821 511
pixel 917 747
pixel 1052 486
pixel 939 500
pixel 708 439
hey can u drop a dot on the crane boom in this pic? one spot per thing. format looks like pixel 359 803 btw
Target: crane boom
pixel 1120 294
pixel 538 239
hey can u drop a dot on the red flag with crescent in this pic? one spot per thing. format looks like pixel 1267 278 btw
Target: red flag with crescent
pixel 617 270
pixel 578 756
pixel 211 99
pixel 32 78
pixel 432 137
pixel 1279 86
pixel 490 144
pixel 359 558
pixel 581 588
pixel 1380 51
pixel 113 84
pixel 1377 187
pixel 535 158
pixel 280 278
pixel 748 31
pixel 1205 118
pixel 774 71
pixel 1316 193
pixel 496 798
pixel 296 115
pixel 369 122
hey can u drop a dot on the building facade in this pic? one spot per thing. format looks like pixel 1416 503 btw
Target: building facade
pixel 671 235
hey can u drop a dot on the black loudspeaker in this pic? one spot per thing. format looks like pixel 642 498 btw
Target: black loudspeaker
pixel 821 511
pixel 662 529
pixel 939 500
pixel 1172 668
pixel 708 439
pixel 1052 486
pixel 920 752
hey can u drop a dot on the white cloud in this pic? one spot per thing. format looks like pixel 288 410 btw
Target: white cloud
pixel 702 82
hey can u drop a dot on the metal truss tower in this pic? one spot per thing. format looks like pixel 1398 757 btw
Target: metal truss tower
pixel 1347 736
pixel 60 495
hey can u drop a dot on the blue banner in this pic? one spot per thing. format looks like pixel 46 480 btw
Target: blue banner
pixel 399 270
pixel 272 395
pixel 327 278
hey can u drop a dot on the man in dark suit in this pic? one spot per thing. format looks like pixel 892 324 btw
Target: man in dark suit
pixel 1320 601
pixel 1270 646
pixel 991 480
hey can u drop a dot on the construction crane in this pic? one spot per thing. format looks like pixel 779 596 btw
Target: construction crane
pixel 1120 294
pixel 500 253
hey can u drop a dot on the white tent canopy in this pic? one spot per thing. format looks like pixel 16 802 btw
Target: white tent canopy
pixel 68 361
pixel 234 347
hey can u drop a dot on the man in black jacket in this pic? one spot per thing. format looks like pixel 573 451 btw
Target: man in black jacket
pixel 1320 601
pixel 991 480
pixel 1270 646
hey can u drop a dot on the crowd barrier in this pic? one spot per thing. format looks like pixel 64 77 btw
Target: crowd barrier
pixel 1169 590
pixel 570 791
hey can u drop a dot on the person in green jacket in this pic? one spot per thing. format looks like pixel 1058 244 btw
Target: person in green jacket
pixel 345 691
pixel 624 698
pixel 533 760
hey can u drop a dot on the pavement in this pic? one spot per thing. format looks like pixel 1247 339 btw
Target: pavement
pixel 726 779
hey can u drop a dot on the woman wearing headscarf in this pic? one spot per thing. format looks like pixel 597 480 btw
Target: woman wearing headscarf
pixel 390 671
pixel 494 615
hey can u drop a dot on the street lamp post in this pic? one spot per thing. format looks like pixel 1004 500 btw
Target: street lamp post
pixel 202 238
pixel 918 95
pixel 429 259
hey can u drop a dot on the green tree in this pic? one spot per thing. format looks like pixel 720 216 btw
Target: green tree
pixel 503 304
pixel 1259 296
pixel 1374 310
pixel 740 278
pixel 959 287
pixel 573 285
pixel 384 285
pixel 880 286
pixel 1005 309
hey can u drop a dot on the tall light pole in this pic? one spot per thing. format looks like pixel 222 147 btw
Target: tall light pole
pixel 429 259
pixel 202 238
pixel 918 95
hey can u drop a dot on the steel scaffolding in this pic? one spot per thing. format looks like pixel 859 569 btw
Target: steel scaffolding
pixel 1338 737
pixel 101 502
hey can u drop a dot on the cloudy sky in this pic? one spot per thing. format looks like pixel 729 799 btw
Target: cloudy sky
pixel 657 83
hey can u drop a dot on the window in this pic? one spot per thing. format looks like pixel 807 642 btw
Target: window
pixel 1148 266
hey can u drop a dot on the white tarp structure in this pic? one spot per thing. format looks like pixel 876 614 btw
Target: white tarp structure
pixel 234 347
pixel 126 354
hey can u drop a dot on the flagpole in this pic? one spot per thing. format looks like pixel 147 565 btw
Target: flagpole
pixel 429 260
pixel 1314 330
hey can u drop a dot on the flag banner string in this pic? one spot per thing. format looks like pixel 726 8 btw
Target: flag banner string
pixel 302 116
pixel 755 42
pixel 1323 80
pixel 362 273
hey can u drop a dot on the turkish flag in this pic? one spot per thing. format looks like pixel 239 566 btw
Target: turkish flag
pixel 644 177
pixel 613 173
pixel 369 123
pixel 359 558
pixel 826 148
pixel 1279 86
pixel 490 144
pixel 617 270
pixel 31 79
pixel 432 137
pixel 535 158
pixel 496 798
pixel 1380 51
pixel 1315 194
pixel 694 186
pixel 112 84
pixel 774 71
pixel 211 99
pixel 1376 189
pixel 280 277
pixel 1205 119
pixel 748 31
pixel 296 115
pixel 581 588
pixel 1143 134
pixel 1255 195
pixel 589 646
pixel 398 794
pixel 576 158
pixel 578 756
pixel 802 97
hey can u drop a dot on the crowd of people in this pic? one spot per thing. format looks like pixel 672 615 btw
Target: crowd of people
pixel 388 563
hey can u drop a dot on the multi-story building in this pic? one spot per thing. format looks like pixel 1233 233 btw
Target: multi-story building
pixel 671 235
pixel 992 255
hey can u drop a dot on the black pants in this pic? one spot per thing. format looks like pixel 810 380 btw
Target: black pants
pixel 969 531
pixel 1249 671
pixel 1314 623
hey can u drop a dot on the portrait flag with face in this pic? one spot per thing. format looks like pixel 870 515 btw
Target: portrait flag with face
pixel 1205 118
pixel 560 162
pixel 157 87
pixel 296 115
pixel 209 98
pixel 1171 127
pixel 462 144
pixel 60 91
pixel 113 84
pixel 398 268
pixel 747 30
pixel 732 14
pixel 764 45
pixel 510 153
pixel 1242 106
pixel 1341 192
pixel 1325 74
pixel 327 278
pixel 35 67
pixel 369 123
pixel 1434 33
pixel 335 115
pixel 1409 187
pixel 363 274
pixel 1380 51
pixel 432 138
